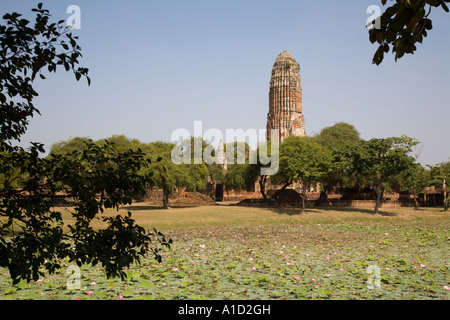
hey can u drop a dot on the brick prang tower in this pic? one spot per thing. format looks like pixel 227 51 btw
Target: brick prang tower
pixel 285 99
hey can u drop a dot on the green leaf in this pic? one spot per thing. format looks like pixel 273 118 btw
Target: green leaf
pixel 33 295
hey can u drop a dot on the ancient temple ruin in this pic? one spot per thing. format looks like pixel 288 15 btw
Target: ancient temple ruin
pixel 285 99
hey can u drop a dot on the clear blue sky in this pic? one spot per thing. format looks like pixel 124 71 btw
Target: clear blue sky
pixel 160 65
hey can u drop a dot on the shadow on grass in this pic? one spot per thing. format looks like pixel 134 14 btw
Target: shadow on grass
pixel 298 210
pixel 360 210
pixel 138 208
pixel 289 210
pixel 152 207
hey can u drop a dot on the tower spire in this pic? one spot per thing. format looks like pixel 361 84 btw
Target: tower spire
pixel 285 99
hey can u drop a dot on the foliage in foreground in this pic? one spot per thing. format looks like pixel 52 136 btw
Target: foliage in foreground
pixel 402 25
pixel 96 177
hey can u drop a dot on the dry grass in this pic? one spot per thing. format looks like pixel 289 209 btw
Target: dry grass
pixel 231 215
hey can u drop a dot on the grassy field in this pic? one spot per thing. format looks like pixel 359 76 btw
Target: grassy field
pixel 232 252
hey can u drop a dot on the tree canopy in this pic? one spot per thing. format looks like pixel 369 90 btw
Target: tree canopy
pixel 302 159
pixel 402 25
pixel 341 133
pixel 372 163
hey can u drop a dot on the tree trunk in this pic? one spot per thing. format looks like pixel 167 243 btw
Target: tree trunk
pixel 378 193
pixel 303 199
pixel 444 186
pixel 262 186
pixel 165 199
pixel 323 196
pixel 416 203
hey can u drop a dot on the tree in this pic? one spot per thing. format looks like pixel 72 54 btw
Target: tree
pixel 161 168
pixel 239 177
pixel 372 163
pixel 414 180
pixel 402 26
pixel 180 166
pixel 263 163
pixel 97 176
pixel 333 138
pixel 65 147
pixel 337 135
pixel 440 176
pixel 302 159
pixel 26 51
pixel 235 177
pixel 240 174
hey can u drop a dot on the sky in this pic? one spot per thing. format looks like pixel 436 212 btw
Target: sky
pixel 158 66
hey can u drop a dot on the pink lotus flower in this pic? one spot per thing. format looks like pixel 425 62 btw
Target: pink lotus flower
pixel 422 265
pixel 341 269
pixel 93 283
pixel 296 277
pixel 90 293
pixel 254 268
pixel 447 288
pixel 202 246
pixel 388 269
pixel 288 264
pixel 192 261
pixel 120 297
pixel 328 258
pixel 175 269
pixel 319 283
pixel 307 254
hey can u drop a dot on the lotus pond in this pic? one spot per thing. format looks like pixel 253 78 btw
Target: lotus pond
pixel 257 253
